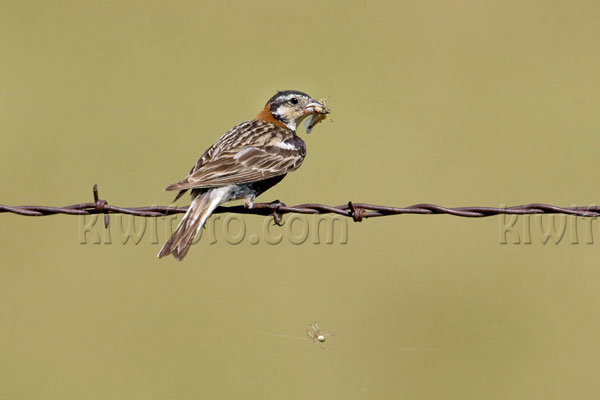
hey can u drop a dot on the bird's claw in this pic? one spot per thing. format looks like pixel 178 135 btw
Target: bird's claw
pixel 277 204
pixel 277 217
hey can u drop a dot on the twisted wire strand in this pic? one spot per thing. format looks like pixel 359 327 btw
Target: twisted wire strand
pixel 356 211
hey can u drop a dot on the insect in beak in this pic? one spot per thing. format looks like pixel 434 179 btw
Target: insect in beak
pixel 317 111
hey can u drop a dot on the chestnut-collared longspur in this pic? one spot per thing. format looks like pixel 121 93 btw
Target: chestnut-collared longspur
pixel 249 159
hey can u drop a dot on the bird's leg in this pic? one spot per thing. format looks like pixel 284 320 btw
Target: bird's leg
pixel 277 204
pixel 249 201
pixel 276 216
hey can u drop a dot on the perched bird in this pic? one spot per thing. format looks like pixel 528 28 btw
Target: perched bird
pixel 249 159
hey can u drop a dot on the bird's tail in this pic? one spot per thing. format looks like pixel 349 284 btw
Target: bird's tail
pixel 198 212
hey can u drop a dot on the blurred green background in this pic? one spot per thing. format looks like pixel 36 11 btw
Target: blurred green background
pixel 454 103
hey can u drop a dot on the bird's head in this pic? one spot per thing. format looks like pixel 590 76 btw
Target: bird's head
pixel 289 107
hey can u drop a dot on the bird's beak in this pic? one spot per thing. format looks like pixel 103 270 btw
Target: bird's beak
pixel 316 107
pixel 318 112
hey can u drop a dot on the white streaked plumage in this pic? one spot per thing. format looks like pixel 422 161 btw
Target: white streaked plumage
pixel 285 146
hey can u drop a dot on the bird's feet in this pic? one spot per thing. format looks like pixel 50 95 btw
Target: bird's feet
pixel 277 204
pixel 277 218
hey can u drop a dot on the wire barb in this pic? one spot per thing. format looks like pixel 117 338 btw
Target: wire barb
pixel 356 211
pixel 101 205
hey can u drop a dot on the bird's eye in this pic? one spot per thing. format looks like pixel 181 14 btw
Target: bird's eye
pixel 294 100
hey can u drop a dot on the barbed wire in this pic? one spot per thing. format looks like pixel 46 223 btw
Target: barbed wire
pixel 356 211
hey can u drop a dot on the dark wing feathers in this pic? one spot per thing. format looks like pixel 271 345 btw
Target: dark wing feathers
pixel 250 152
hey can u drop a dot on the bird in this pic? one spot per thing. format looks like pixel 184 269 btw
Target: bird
pixel 244 162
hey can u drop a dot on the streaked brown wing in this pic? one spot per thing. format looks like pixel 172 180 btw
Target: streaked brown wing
pixel 259 152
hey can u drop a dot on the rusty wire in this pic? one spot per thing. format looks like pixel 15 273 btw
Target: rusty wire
pixel 356 211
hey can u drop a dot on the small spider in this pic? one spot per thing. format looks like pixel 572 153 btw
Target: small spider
pixel 315 333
